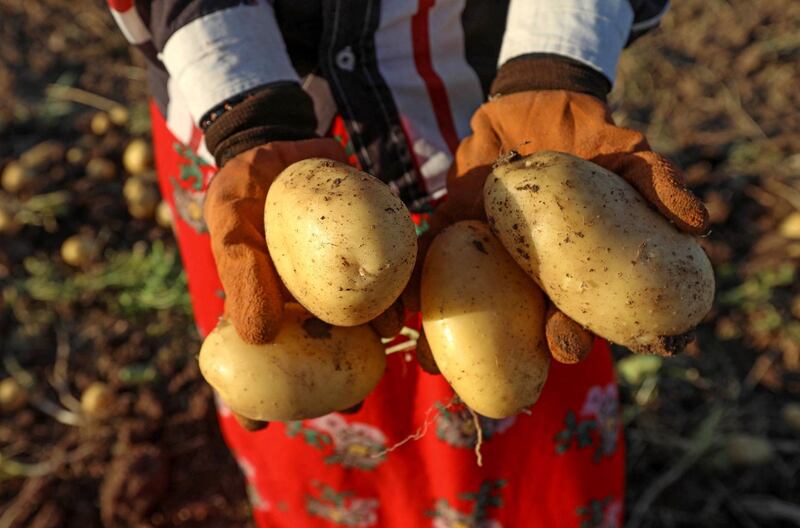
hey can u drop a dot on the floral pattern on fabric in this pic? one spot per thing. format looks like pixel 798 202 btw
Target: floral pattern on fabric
pixel 601 513
pixel 488 496
pixel 355 445
pixel 602 403
pixel 256 500
pixel 342 508
pixel 597 425
pixel 456 426
pixel 189 186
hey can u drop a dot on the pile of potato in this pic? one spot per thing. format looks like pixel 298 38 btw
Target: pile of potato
pixel 558 227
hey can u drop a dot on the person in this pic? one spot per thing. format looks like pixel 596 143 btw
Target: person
pixel 425 95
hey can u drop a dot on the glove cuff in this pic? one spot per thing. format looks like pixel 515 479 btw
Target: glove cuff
pixel 546 71
pixel 278 112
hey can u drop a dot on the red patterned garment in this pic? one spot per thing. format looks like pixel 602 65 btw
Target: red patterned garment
pixel 561 465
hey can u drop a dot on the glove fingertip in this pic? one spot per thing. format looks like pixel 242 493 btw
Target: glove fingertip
pixel 259 324
pixel 425 356
pixel 390 322
pixel 353 409
pixel 568 341
pixel 249 424
pixel 662 183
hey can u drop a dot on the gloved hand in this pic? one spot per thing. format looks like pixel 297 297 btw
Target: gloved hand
pixel 566 121
pixel 234 213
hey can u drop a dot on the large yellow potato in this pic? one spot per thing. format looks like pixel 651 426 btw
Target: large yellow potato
pixel 484 320
pixel 342 243
pixel 309 370
pixel 599 251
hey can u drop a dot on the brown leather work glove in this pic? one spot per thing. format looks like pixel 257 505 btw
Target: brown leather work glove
pixel 577 123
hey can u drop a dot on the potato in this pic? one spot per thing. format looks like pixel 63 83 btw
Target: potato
pixel 342 243
pixel 309 370
pixel 79 250
pixel 97 401
pixel 484 320
pixel 599 251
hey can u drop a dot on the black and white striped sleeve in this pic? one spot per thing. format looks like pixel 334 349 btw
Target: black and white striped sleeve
pixel 213 50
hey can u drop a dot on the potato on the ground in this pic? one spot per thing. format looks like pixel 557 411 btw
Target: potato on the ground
pixel 342 243
pixel 79 250
pixel 484 321
pixel 309 370
pixel 97 400
pixel 599 251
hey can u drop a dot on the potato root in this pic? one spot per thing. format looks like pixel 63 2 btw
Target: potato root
pixel 599 251
pixel 484 321
pixel 342 243
pixel 309 370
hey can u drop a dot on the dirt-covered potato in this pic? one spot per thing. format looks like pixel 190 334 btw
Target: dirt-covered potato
pixel 342 243
pixel 599 251
pixel 484 321
pixel 309 370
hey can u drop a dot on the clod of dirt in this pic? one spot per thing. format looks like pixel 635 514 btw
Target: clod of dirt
pixel 13 396
pixel 97 401
pixel 133 485
pixel 748 450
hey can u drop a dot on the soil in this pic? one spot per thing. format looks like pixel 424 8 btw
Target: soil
pixel 715 89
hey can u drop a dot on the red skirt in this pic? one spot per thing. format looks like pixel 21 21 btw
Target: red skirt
pixel 407 458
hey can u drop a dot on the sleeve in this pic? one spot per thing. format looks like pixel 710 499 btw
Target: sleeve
pixel 214 50
pixel 570 44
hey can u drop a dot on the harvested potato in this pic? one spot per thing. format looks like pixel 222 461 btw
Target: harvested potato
pixel 484 321
pixel 13 396
pixel 118 115
pixel 342 243
pixel 17 177
pixel 309 370
pixel 599 251
pixel 138 156
pixel 164 215
pixel 97 401
pixel 100 123
pixel 79 250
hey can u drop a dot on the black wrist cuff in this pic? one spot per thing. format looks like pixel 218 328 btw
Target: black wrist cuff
pixel 546 71
pixel 277 112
